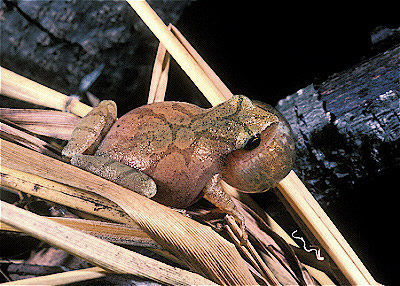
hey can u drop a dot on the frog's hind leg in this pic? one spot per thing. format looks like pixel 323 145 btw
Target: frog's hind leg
pixel 116 172
pixel 214 193
pixel 91 129
pixel 85 138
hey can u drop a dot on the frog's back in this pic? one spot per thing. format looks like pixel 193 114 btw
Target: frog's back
pixel 158 140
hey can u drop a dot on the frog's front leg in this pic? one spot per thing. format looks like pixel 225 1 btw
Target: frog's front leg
pixel 91 129
pixel 85 138
pixel 214 193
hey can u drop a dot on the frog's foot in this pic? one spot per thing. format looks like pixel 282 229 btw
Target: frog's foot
pixel 214 193
pixel 116 172
pixel 91 129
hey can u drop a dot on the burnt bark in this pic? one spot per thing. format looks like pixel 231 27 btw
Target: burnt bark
pixel 347 129
pixel 57 43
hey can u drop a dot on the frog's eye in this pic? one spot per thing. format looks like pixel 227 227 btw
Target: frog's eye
pixel 253 142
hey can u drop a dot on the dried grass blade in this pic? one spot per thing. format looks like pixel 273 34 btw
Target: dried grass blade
pixel 258 263
pixel 77 199
pixel 49 123
pixel 112 232
pixel 95 250
pixel 273 245
pixel 175 48
pixel 19 87
pixel 202 63
pixel 321 277
pixel 25 139
pixel 63 278
pixel 62 194
pixel 324 230
pixel 253 212
pixel 159 77
pixel 318 275
pixel 199 246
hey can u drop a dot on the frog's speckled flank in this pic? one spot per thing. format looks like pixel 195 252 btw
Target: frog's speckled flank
pixel 182 146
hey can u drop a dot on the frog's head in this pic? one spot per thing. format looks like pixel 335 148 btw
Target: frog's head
pixel 265 158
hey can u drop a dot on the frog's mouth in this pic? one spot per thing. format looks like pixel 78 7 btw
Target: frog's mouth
pixel 264 160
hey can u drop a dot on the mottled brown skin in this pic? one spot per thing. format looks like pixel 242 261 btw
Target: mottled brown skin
pixel 186 149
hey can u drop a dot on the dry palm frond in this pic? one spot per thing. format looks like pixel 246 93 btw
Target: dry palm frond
pixel 182 236
pixel 78 198
pixel 95 250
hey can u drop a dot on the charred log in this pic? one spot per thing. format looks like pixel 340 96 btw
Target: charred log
pixel 347 129
pixel 58 43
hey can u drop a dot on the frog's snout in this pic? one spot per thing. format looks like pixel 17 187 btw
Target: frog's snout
pixel 263 162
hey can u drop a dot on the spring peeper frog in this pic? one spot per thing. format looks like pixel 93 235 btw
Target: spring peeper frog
pixel 176 152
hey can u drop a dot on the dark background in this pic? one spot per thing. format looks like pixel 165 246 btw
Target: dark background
pixel 268 52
